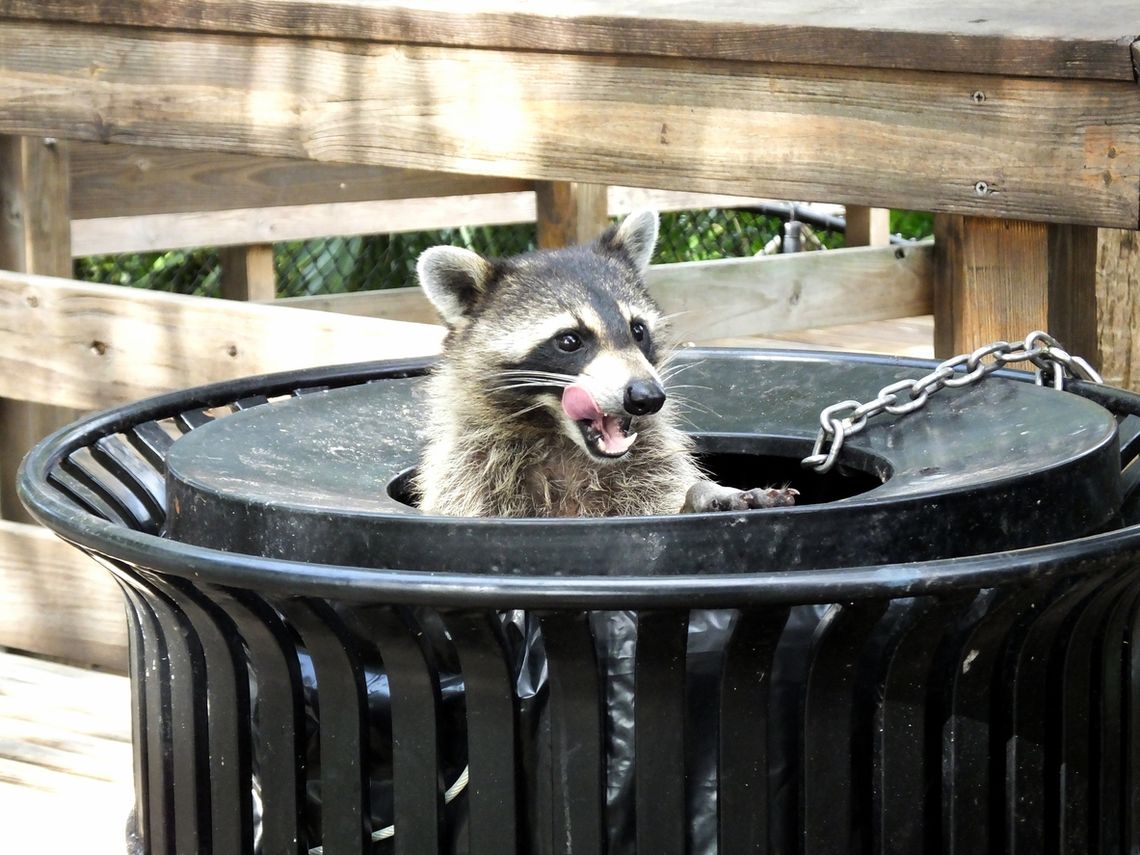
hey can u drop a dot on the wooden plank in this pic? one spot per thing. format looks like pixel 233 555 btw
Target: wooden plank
pixel 897 336
pixel 66 766
pixel 209 227
pixel 1118 307
pixel 1063 151
pixel 247 272
pixel 1001 279
pixel 867 226
pixel 737 297
pixel 55 601
pixel 109 180
pixel 123 180
pixel 34 238
pixel 93 346
pixel 568 213
pixel 1018 37
pixel 718 299
pixel 34 230
pixel 396 304
pixel 148 233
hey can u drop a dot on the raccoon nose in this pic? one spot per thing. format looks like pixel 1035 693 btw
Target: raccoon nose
pixel 643 397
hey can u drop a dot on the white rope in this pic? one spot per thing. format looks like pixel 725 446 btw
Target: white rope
pixel 449 795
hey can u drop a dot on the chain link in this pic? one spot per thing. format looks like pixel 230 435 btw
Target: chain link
pixel 1052 363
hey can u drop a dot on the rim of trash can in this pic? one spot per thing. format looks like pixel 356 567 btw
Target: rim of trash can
pixel 450 589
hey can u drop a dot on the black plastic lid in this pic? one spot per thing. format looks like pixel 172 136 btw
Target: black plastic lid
pixel 998 465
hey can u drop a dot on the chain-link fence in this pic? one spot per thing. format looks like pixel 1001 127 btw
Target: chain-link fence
pixel 367 262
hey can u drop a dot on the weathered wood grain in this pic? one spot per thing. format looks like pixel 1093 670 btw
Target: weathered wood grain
pixel 65 757
pixel 1118 307
pixel 247 272
pixel 719 299
pixel 34 238
pixel 121 181
pixel 209 227
pixel 568 213
pixel 109 180
pixel 1066 151
pixel 94 346
pixel 998 280
pixel 150 232
pixel 867 226
pixel 1046 38
pixel 737 297
pixel 34 189
pixel 55 601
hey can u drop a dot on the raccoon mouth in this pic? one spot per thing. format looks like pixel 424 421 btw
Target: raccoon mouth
pixel 605 435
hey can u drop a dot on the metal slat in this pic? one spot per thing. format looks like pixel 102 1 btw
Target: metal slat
pixel 345 807
pixel 415 694
pixel 489 693
pixel 828 785
pixel 278 750
pixel 742 767
pixel 576 764
pixel 905 764
pixel 659 732
pixel 1026 717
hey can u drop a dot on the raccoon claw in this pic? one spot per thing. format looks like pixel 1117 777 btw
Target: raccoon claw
pixel 770 497
pixel 708 497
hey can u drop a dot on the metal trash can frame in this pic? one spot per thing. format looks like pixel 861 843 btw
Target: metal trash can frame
pixel 977 703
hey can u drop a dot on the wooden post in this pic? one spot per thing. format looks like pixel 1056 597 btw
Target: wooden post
pixel 568 212
pixel 867 226
pixel 247 272
pixel 1118 307
pixel 35 237
pixel 1001 279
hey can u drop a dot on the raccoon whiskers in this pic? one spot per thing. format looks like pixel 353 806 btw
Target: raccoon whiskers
pixel 523 384
pixel 526 410
pixel 519 379
pixel 685 405
pixel 673 368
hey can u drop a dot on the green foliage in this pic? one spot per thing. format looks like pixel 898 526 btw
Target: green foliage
pixel 913 225
pixel 180 271
pixel 361 263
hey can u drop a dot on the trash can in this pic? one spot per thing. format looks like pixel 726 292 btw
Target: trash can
pixel 932 652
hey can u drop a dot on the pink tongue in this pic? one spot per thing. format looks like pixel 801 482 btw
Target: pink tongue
pixel 578 404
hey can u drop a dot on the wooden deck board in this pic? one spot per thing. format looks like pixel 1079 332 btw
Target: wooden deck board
pixel 900 336
pixel 65 758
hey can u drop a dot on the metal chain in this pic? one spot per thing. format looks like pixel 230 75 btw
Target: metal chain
pixel 847 418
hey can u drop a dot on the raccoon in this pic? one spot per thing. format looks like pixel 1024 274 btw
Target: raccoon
pixel 550 398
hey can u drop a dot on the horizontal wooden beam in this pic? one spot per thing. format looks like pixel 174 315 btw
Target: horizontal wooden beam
pixel 736 297
pixel 128 180
pixel 1020 37
pixel 769 294
pixel 56 601
pixel 152 232
pixel 1038 149
pixel 92 346
pixel 210 227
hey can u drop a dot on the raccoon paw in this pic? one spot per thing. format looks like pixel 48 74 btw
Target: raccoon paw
pixel 705 496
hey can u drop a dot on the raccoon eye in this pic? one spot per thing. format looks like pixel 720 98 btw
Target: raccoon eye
pixel 639 331
pixel 568 341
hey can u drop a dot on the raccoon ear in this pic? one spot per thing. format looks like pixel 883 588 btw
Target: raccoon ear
pixel 453 279
pixel 636 236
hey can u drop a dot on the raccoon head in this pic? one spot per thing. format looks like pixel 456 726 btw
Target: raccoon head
pixel 565 339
